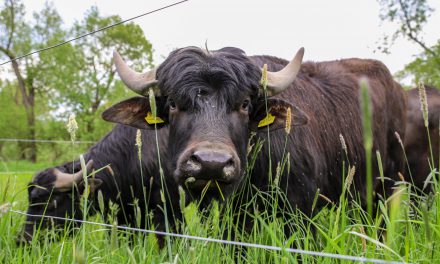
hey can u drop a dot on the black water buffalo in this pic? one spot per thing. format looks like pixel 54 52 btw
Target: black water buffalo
pixel 57 191
pixel 416 136
pixel 209 102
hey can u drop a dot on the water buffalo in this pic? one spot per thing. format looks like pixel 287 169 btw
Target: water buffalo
pixel 209 102
pixel 416 136
pixel 57 191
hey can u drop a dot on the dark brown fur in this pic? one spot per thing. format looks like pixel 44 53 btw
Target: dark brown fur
pixel 416 140
pixel 327 92
pixel 126 182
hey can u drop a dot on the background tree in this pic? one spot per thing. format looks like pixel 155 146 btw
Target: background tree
pixel 17 36
pixel 77 77
pixel 411 16
pixel 95 85
pixel 13 116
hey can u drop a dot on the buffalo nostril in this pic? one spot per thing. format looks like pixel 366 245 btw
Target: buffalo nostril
pixel 213 162
pixel 230 163
pixel 193 164
pixel 194 159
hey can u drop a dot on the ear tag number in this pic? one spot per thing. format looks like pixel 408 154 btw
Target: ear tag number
pixel 269 119
pixel 151 120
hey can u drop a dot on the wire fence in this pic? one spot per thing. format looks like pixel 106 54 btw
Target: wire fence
pixel 45 141
pixel 219 241
pixel 16 172
pixel 4 171
pixel 93 32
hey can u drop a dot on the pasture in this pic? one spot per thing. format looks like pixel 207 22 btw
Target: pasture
pixel 404 228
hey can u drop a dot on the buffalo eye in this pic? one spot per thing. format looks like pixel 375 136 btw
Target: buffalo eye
pixel 245 105
pixel 172 104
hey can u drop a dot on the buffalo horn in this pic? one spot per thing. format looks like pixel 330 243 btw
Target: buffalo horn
pixel 137 82
pixel 65 180
pixel 278 81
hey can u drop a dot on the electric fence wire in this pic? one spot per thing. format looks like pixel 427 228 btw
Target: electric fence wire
pixel 220 241
pixel 45 141
pixel 93 32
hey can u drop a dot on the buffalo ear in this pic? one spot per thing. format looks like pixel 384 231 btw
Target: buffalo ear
pixel 276 115
pixel 136 112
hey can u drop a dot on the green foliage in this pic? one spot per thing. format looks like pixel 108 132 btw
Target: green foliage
pixel 410 15
pixel 13 119
pixel 77 77
pixel 425 69
pixel 94 85
pixel 14 26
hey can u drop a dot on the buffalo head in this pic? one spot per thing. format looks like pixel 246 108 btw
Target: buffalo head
pixel 54 193
pixel 210 101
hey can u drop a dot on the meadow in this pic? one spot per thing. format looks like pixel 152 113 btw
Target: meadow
pixel 404 228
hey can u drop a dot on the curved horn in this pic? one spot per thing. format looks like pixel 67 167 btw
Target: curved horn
pixel 278 81
pixel 137 82
pixel 65 180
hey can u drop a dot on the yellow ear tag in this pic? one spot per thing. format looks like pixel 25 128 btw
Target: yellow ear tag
pixel 267 120
pixel 151 120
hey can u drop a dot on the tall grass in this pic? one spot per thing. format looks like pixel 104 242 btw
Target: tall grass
pixel 365 102
pixel 411 230
pixel 404 227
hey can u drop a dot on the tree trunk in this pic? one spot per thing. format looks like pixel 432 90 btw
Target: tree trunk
pixel 89 126
pixel 27 89
pixel 28 97
pixel 31 126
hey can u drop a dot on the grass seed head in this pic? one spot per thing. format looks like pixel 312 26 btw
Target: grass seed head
pixel 288 120
pixel 350 176
pixel 152 100
pixel 276 181
pixel 423 103
pixel 399 139
pixel 72 127
pixel 139 143
pixel 263 81
pixel 344 146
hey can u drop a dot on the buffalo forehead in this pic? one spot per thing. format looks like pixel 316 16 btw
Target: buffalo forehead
pixel 187 72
